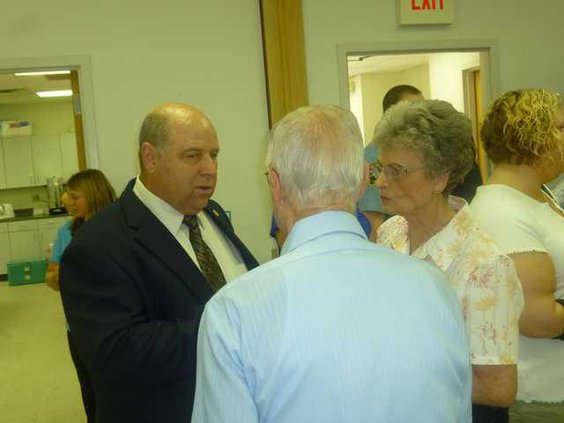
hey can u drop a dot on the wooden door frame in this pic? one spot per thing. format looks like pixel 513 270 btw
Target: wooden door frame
pixel 284 56
pixel 86 96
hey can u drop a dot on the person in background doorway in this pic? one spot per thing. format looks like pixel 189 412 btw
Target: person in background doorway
pixel 135 280
pixel 523 135
pixel 337 329
pixel 425 150
pixel 89 191
pixel 370 204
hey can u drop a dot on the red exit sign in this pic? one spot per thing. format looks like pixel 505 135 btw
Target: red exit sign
pixel 425 12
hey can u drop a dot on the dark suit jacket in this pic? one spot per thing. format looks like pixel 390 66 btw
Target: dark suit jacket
pixel 133 299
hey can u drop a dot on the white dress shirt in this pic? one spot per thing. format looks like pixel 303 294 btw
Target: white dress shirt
pixel 228 257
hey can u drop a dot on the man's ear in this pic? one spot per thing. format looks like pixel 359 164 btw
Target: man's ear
pixel 149 156
pixel 275 187
pixel 365 181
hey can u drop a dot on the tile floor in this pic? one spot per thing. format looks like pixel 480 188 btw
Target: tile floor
pixel 38 382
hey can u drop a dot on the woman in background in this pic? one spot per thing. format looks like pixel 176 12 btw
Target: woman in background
pixel 426 149
pixel 89 191
pixel 523 134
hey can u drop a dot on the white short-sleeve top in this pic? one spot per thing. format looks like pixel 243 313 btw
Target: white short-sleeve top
pixel 519 223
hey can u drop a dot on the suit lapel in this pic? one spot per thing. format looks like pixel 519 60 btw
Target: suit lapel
pixel 217 214
pixel 155 238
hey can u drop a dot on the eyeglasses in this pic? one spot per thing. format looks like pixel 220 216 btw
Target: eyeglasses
pixel 392 171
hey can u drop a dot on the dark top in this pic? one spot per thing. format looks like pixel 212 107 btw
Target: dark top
pixel 133 299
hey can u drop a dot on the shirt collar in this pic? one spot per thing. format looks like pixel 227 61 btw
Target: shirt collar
pixel 320 224
pixel 445 245
pixel 168 215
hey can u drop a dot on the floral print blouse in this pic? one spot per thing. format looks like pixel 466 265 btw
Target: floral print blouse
pixel 485 280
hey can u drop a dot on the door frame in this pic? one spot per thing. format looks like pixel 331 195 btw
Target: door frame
pixel 488 49
pixel 86 96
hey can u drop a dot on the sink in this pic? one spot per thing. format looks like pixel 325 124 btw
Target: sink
pixel 23 212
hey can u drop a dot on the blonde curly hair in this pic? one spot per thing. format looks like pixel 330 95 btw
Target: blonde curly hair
pixel 521 127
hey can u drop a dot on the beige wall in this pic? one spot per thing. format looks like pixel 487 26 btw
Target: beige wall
pixel 521 40
pixel 144 53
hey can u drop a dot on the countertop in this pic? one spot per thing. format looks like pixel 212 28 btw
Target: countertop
pixel 32 217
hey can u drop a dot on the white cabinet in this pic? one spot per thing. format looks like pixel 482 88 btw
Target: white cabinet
pixel 30 239
pixel 5 255
pixel 24 243
pixel 18 162
pixel 30 160
pixel 47 232
pixel 2 169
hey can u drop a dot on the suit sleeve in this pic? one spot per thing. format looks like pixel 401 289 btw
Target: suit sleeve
pixel 222 392
pixel 107 316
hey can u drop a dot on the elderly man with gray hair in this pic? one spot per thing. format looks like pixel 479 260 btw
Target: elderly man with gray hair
pixel 337 329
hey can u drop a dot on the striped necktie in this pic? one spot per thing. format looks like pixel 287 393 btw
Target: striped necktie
pixel 208 263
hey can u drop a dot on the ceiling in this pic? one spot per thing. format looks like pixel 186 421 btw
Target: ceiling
pixel 21 89
pixel 358 64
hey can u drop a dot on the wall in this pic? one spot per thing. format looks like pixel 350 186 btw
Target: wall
pixel 445 73
pixel 145 53
pixel 521 40
pixel 356 92
pixel 376 85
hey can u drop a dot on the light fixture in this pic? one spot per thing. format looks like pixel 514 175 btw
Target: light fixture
pixel 56 93
pixel 54 72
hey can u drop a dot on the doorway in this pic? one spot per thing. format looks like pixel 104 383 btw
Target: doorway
pixel 462 73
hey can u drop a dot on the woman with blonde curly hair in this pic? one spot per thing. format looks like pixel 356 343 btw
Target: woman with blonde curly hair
pixel 523 134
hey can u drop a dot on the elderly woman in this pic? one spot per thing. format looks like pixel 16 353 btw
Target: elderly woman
pixel 425 151
pixel 523 135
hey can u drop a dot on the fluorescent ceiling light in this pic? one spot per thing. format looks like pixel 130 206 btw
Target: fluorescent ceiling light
pixel 55 72
pixel 57 93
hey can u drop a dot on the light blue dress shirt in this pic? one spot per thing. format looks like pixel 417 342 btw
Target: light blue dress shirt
pixel 337 329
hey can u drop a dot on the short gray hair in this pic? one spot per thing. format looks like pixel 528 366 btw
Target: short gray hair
pixel 434 129
pixel 318 153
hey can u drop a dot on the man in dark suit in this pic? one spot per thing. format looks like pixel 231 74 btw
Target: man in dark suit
pixel 135 279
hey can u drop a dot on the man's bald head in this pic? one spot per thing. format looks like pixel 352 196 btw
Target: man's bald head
pixel 157 126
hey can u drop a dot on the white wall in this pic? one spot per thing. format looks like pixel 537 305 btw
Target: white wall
pixel 376 85
pixel 144 53
pixel 528 37
pixel 356 92
pixel 445 75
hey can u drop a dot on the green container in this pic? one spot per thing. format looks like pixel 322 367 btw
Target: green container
pixel 26 271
